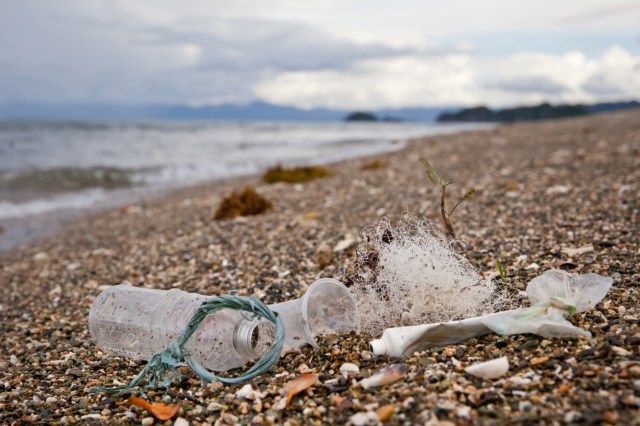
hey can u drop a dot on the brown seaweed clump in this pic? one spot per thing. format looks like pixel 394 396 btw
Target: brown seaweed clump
pixel 245 203
pixel 295 174
pixel 372 165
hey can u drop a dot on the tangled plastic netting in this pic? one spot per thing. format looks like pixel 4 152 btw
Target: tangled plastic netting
pixel 405 274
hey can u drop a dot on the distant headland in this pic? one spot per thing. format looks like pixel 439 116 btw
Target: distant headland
pixel 370 116
pixel 540 112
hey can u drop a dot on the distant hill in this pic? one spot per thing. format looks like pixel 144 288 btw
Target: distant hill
pixel 361 116
pixel 255 111
pixel 89 111
pixel 540 112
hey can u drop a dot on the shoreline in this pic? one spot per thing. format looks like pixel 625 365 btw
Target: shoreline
pixel 32 227
pixel 544 189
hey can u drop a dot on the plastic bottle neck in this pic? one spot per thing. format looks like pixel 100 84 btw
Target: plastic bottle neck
pixel 245 337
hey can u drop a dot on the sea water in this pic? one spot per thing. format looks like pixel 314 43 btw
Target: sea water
pixel 52 167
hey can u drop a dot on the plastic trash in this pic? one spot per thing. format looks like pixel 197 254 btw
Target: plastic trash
pixel 554 296
pixel 138 322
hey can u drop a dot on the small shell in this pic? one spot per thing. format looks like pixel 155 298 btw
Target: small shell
pixel 348 369
pixel 385 376
pixel 519 380
pixel 346 242
pixel 490 369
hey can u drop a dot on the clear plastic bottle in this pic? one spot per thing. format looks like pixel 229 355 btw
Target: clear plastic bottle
pixel 138 322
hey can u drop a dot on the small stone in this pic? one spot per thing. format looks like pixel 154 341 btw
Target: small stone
pixel 557 190
pixel 76 372
pixel 181 421
pixel 216 406
pixel 528 345
pixel 324 255
pixel 620 351
pixel 91 417
pixel 40 256
pixel 577 251
pixel 244 391
pixel 247 392
pixel 385 412
pixel 587 353
pixel 610 416
pixel 13 359
pixel 51 400
pixel 147 421
pixel 348 369
pixel 73 266
pixel 571 416
pixel 518 380
pixel 525 406
pixel 539 360
pixel 367 418
pixel 631 400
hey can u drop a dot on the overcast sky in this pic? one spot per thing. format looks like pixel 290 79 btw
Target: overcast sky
pixel 320 53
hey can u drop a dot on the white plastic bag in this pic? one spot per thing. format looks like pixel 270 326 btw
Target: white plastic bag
pixel 554 296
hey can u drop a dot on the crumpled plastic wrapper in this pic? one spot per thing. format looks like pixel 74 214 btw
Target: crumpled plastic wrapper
pixel 554 296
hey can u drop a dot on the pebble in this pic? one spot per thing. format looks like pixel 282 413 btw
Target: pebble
pixel 539 360
pixel 91 417
pixel 489 369
pixel 324 255
pixel 181 421
pixel 368 418
pixel 147 421
pixel 349 369
pixel 621 351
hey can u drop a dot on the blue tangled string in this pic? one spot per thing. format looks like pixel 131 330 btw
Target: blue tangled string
pixel 162 366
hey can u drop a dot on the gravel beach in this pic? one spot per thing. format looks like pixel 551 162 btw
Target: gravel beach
pixel 555 194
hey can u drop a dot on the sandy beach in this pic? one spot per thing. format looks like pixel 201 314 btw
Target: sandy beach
pixel 543 189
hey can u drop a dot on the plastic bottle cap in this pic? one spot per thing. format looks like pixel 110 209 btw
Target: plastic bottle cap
pixel 378 347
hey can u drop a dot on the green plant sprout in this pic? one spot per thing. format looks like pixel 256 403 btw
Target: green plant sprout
pixel 503 276
pixel 446 213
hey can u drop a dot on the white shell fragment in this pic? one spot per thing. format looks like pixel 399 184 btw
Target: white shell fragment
pixel 247 392
pixel 346 242
pixel 385 376
pixel 490 369
pixel 348 369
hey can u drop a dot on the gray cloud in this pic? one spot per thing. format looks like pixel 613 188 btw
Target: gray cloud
pixel 541 85
pixel 138 52
pixel 92 55
pixel 250 43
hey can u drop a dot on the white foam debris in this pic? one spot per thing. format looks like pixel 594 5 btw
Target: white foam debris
pixel 406 274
